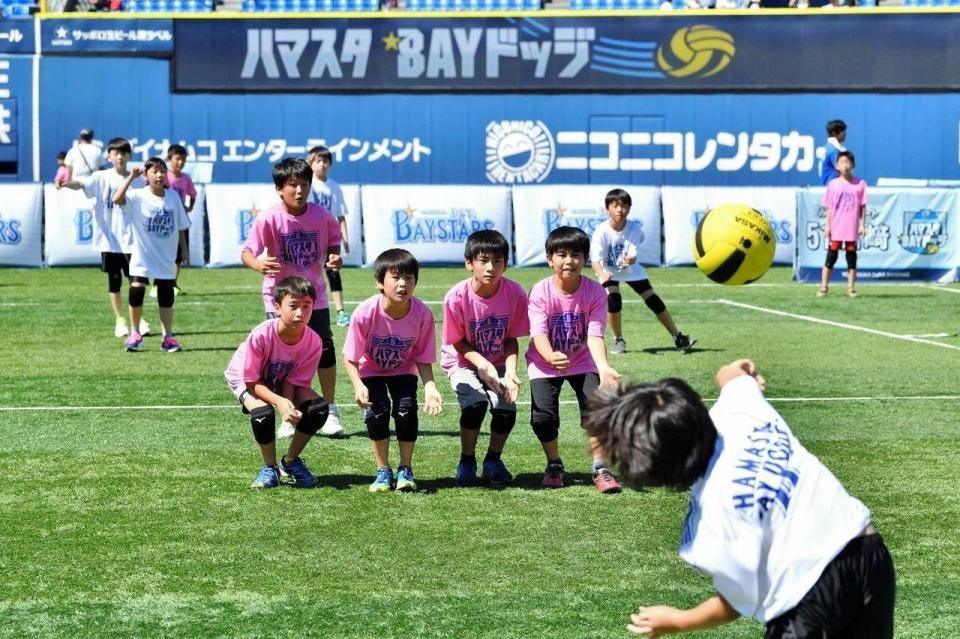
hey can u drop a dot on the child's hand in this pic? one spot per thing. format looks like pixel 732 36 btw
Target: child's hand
pixel 490 378
pixel 59 183
pixel 362 396
pixel 627 260
pixel 609 377
pixel 654 621
pixel 334 261
pixel 288 411
pixel 186 260
pixel 737 368
pixel 559 361
pixel 346 247
pixel 136 171
pixel 863 229
pixel 511 387
pixel 269 265
pixel 433 402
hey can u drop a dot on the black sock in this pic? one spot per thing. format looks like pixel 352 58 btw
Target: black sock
pixel 491 456
pixel 468 459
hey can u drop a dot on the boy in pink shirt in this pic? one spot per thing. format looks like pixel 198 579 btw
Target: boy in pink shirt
pixel 182 184
pixel 300 239
pixel 391 340
pixel 482 318
pixel 273 368
pixel 846 204
pixel 568 317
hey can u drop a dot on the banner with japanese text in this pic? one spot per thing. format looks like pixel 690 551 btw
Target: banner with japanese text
pixel 92 35
pixel 538 210
pixel 231 209
pixel 21 227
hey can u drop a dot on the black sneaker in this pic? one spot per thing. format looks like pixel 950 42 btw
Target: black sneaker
pixel 683 342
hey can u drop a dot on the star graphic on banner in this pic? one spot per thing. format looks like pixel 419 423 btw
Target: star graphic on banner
pixel 61 33
pixel 254 210
pixel 390 42
pixel 560 210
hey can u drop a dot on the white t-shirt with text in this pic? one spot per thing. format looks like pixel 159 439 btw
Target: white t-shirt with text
pixel 156 223
pixel 609 247
pixel 111 230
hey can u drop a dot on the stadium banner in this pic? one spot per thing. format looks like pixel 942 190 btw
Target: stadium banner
pixel 17 36
pixel 538 210
pixel 120 36
pixel 68 226
pixel 21 225
pixel 911 235
pixel 576 53
pixel 231 209
pixel 16 115
pixel 351 193
pixel 432 222
pixel 683 208
pixel 196 236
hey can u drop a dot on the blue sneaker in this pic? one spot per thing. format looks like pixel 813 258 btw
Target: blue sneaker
pixel 343 318
pixel 298 471
pixel 405 483
pixel 384 481
pixel 495 472
pixel 269 477
pixel 466 474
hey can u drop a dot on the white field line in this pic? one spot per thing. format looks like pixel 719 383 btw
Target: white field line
pixel 864 398
pixel 851 327
pixel 942 289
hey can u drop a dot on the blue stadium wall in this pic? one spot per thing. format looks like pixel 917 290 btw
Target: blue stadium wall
pixel 756 120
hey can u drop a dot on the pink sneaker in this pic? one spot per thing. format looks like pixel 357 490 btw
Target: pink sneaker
pixel 169 345
pixel 553 476
pixel 134 343
pixel 605 482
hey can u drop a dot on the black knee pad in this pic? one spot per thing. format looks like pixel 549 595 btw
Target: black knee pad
pixel 165 293
pixel 406 419
pixel 502 421
pixel 314 415
pixel 852 259
pixel 831 258
pixel 545 427
pixel 614 302
pixel 264 423
pixel 336 284
pixel 472 416
pixel 377 422
pixel 655 304
pixel 328 354
pixel 114 282
pixel 135 296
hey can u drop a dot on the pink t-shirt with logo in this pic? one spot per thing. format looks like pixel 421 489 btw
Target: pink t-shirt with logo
pixel 844 200
pixel 183 185
pixel 485 324
pixel 567 320
pixel 299 242
pixel 264 358
pixel 382 346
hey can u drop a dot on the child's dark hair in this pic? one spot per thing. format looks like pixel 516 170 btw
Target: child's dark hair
pixel 294 286
pixel 848 155
pixel 291 168
pixel 62 155
pixel 121 145
pixel 396 260
pixel 618 195
pixel 155 163
pixel 836 126
pixel 567 238
pixel 655 434
pixel 487 242
pixel 176 149
pixel 321 152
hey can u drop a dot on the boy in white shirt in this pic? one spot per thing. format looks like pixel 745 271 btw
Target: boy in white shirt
pixel 613 254
pixel 325 192
pixel 777 532
pixel 159 222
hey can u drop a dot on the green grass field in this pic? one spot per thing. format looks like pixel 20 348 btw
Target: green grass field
pixel 125 511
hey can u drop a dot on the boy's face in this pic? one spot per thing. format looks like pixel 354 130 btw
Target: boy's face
pixel 844 166
pixel 117 158
pixel 397 287
pixel 176 162
pixel 487 269
pixel 294 312
pixel 617 212
pixel 294 193
pixel 156 177
pixel 320 166
pixel 566 264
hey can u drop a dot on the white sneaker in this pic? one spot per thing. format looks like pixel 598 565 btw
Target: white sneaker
pixel 332 427
pixel 120 330
pixel 144 327
pixel 286 429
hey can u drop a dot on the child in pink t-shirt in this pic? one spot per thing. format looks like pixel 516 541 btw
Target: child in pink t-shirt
pixel 390 340
pixel 482 318
pixel 273 369
pixel 299 239
pixel 846 204
pixel 180 182
pixel 63 171
pixel 568 317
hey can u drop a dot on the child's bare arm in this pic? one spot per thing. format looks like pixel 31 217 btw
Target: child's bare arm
pixel 269 265
pixel 120 197
pixel 344 240
pixel 598 350
pixel 360 392
pixel 486 371
pixel 511 377
pixel 737 368
pixel 432 400
pixel 184 249
pixel 555 359
pixel 662 620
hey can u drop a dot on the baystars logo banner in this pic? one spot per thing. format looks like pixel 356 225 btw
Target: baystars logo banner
pixel 924 231
pixel 453 225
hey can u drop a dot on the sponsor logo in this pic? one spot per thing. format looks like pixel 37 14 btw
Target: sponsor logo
pixel 10 231
pixel 519 151
pixel 699 51
pixel 412 226
pixel 924 231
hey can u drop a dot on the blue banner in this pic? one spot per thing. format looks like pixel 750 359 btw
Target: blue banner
pixel 16 108
pixel 17 36
pixel 639 52
pixel 119 36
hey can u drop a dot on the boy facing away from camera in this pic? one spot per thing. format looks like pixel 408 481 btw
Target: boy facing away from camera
pixel 390 341
pixel 567 321
pixel 613 255
pixel 273 369
pixel 775 530
pixel 300 238
pixel 482 318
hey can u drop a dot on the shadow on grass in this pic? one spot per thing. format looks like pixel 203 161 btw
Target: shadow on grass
pixel 525 481
pixel 225 349
pixel 239 331
pixel 656 350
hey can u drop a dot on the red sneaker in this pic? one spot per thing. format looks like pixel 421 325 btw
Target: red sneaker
pixel 553 477
pixel 605 482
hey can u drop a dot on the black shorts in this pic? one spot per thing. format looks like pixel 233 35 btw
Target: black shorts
pixel 545 394
pixel 639 286
pixel 115 263
pixel 853 598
